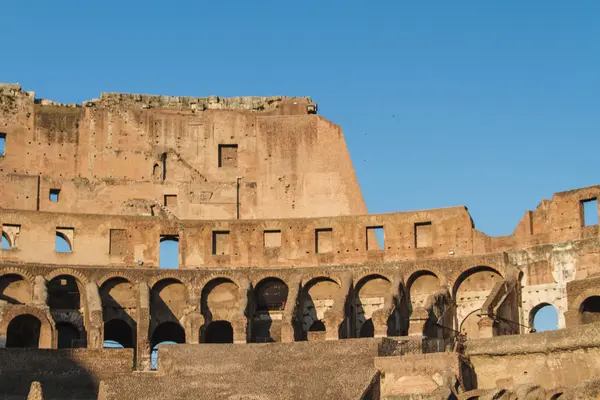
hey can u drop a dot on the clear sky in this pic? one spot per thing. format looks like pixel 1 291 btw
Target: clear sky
pixel 493 105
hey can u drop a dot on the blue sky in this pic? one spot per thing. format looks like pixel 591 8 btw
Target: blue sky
pixel 492 105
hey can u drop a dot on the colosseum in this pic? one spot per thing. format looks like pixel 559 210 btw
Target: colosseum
pixel 278 283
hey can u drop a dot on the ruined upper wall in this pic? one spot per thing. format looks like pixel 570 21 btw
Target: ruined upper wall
pixel 244 157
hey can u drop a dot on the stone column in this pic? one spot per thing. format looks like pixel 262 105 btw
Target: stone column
pixel 287 327
pixel 40 292
pixel 418 319
pixel 143 327
pixel 486 327
pixel 95 326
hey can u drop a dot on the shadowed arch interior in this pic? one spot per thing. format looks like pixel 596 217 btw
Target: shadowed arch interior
pixel 23 332
pixel 119 331
pixel 371 292
pixel 63 293
pixel 219 332
pixel 590 310
pixel 271 295
pixel 14 289
pixel 168 332
pixel 68 335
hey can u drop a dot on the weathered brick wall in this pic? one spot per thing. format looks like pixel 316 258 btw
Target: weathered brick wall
pixel 61 372
pixel 551 359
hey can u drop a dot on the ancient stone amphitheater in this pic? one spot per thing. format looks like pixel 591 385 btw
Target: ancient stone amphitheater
pixel 281 286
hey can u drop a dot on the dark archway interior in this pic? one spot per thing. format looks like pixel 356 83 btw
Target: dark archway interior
pixel 119 331
pixel 168 332
pixel 68 336
pixel 23 332
pixel 367 329
pixel 63 293
pixel 219 332
pixel 317 326
pixel 271 295
pixel 590 310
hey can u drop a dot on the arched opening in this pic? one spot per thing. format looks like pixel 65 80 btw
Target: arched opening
pixel 169 300
pixel 169 252
pixel 543 317
pixel 165 333
pixel 270 299
pixel 470 292
pixel 367 329
pixel 590 310
pixel 421 285
pixel 23 332
pixel 318 297
pixel 68 336
pixel 117 331
pixel 219 332
pixel 6 245
pixel 271 295
pixel 371 292
pixel 14 289
pixel 119 302
pixel 317 326
pixel 62 243
pixel 63 293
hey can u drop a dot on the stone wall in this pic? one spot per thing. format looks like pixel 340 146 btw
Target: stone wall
pixel 62 373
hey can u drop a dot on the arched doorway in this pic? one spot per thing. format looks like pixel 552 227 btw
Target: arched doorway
pixel 543 317
pixel 318 297
pixel 270 300
pixel 68 336
pixel 470 292
pixel 23 332
pixel 64 300
pixel 117 331
pixel 219 332
pixel 590 310
pixel 165 333
pixel 371 292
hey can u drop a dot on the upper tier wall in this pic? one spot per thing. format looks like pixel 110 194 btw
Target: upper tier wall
pixel 120 241
pixel 201 158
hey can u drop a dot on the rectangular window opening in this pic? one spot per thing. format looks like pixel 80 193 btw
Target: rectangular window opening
pixel 590 212
pixel 220 243
pixel 54 195
pixel 375 238
pixel 64 240
pixel 2 144
pixel 323 240
pixel 228 155
pixel 169 252
pixel 170 201
pixel 272 239
pixel 118 242
pixel 423 235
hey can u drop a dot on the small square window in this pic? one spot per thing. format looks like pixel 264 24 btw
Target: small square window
pixel 590 212
pixel 64 240
pixel 272 239
pixel 54 195
pixel 170 201
pixel 228 156
pixel 220 243
pixel 2 143
pixel 375 238
pixel 323 240
pixel 10 236
pixel 423 235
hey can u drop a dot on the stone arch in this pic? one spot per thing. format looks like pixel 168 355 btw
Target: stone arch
pixel 420 285
pixel 120 331
pixel 220 300
pixel 319 296
pixel 175 277
pixel 169 300
pixel 67 300
pixel 370 292
pixel 82 280
pixel 68 335
pixel 534 311
pixel 168 332
pixel 112 275
pixel 15 288
pixel 18 271
pixel 589 310
pixel 469 292
pixel 219 332
pixel 47 339
pixel 269 301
